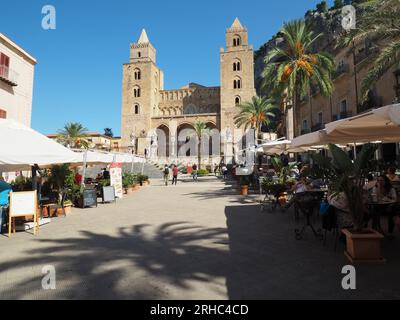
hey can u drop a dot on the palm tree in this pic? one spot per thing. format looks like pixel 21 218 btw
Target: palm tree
pixel 200 129
pixel 297 65
pixel 255 114
pixel 381 24
pixel 73 135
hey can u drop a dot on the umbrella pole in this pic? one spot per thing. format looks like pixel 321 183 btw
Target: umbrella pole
pixel 355 151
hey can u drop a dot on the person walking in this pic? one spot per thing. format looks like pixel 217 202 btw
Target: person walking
pixel 215 169
pixel 224 172
pixel 195 173
pixel 175 172
pixel 166 175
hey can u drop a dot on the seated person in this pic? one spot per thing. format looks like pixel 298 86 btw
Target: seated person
pixel 5 190
pixel 384 191
pixel 301 186
pixel 343 216
pixel 317 184
pixel 371 183
pixel 391 174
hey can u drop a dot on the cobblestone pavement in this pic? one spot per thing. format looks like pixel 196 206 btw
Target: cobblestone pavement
pixel 191 241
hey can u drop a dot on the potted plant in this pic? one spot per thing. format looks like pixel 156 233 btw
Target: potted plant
pixel 129 182
pixel 244 185
pixel 62 180
pixel 142 179
pixel 347 177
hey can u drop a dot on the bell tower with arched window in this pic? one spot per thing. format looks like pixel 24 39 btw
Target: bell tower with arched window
pixel 237 75
pixel 142 81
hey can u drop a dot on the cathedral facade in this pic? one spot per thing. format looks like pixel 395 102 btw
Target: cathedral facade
pixel 158 123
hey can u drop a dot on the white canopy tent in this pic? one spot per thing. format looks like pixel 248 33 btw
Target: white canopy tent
pixel 96 157
pixel 22 147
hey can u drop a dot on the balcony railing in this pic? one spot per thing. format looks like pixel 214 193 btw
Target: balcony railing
pixel 8 75
pixel 317 127
pixel 364 54
pixel 340 70
pixel 372 102
pixel 342 115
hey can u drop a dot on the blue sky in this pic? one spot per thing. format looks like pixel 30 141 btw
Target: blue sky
pixel 79 71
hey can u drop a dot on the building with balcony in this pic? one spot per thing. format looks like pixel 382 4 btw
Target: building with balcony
pixel 16 81
pixel 98 141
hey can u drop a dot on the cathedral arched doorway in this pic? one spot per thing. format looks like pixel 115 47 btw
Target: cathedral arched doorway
pixel 187 140
pixel 213 140
pixel 163 141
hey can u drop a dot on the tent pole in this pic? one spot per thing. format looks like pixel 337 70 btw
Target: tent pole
pixel 84 169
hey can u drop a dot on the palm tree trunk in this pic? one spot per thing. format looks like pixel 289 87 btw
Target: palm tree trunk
pixel 294 107
pixel 199 153
pixel 311 108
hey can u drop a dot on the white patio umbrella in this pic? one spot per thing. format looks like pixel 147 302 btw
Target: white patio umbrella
pixel 278 147
pixel 382 124
pixel 317 138
pixel 22 147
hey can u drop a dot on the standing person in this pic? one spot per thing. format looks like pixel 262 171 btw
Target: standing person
pixel 166 174
pixel 195 172
pixel 5 190
pixel 175 172
pixel 189 169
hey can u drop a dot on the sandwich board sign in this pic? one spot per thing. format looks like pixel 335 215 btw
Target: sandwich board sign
pixel 23 204
pixel 108 194
pixel 116 179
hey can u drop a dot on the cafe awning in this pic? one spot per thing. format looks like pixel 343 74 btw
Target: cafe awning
pixel 22 147
pixel 382 124
pixel 378 125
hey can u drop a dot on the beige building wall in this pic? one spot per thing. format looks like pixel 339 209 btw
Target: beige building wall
pixel 345 102
pixel 16 84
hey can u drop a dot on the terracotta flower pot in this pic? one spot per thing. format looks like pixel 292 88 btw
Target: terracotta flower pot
pixel 244 190
pixel 363 247
pixel 68 209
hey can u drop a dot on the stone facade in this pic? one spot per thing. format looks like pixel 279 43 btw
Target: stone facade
pixel 147 108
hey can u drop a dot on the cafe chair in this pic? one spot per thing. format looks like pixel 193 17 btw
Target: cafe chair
pixel 53 207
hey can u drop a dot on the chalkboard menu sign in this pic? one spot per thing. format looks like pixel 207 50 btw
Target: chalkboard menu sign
pixel 108 194
pixel 89 198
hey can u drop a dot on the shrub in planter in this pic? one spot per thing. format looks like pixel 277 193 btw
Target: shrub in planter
pixel 202 172
pixel 347 177
pixel 142 178
pixel 129 181
pixel 21 184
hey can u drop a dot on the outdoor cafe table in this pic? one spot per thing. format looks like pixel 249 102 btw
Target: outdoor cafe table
pixel 306 202
pixel 375 209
